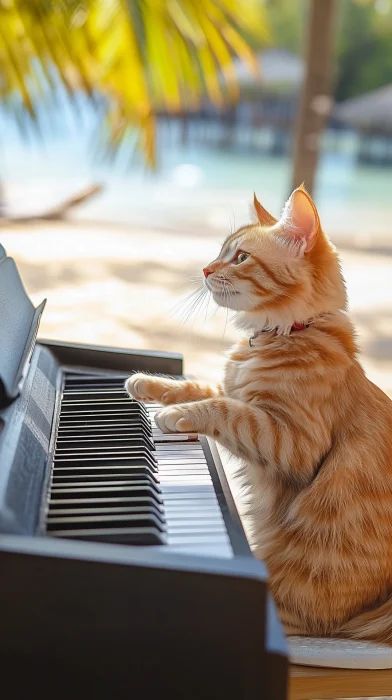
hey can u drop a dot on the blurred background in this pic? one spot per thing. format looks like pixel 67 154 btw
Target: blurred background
pixel 133 134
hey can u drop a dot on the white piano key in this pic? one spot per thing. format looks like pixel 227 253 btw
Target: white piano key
pixel 205 550
pixel 199 538
pixel 199 491
pixel 196 477
pixel 208 523
pixel 173 437
pixel 194 520
pixel 185 467
pixel 192 534
pixel 175 480
pixel 166 453
pixel 195 448
pixel 212 515
pixel 179 508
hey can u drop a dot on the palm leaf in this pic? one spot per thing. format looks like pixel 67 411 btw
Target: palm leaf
pixel 138 55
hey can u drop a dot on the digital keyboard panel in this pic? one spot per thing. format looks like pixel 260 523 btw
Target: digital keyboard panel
pixel 117 478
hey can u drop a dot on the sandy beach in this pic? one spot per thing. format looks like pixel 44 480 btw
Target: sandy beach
pixel 123 285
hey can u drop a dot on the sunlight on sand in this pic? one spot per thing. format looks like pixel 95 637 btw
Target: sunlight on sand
pixel 120 286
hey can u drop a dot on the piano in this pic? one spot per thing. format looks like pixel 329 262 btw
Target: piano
pixel 124 568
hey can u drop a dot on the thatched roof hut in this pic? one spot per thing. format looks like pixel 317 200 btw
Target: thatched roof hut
pixel 279 71
pixel 369 112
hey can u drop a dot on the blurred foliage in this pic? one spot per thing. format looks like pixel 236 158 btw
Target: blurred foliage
pixel 363 40
pixel 132 57
pixel 364 47
pixel 287 20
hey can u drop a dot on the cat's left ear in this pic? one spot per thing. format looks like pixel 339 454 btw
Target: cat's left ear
pixel 300 221
pixel 263 216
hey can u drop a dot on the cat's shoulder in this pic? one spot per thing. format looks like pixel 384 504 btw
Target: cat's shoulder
pixel 240 351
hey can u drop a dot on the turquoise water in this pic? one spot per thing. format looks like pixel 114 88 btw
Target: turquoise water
pixel 196 186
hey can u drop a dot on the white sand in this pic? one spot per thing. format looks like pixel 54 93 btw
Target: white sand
pixel 117 285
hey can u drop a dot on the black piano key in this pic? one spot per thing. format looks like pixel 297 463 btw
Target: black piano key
pixel 112 510
pixel 96 406
pixel 145 488
pixel 131 535
pixel 101 444
pixel 121 402
pixel 109 502
pixel 68 437
pixel 93 395
pixel 101 401
pixel 105 476
pixel 103 520
pixel 104 418
pixel 105 473
pixel 93 383
pixel 106 484
pixel 126 457
pixel 101 429
pixel 118 379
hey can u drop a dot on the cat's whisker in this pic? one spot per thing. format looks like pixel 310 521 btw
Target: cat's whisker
pixel 182 289
pixel 195 305
pixel 213 312
pixel 199 306
pixel 186 305
pixel 188 312
pixel 188 297
pixel 239 291
pixel 205 315
pixel 192 282
pixel 226 292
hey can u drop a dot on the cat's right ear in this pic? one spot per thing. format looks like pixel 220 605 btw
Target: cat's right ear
pixel 264 217
pixel 300 221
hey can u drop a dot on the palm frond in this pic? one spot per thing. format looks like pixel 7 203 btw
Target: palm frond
pixel 140 56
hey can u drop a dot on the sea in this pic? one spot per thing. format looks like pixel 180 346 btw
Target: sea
pixel 199 185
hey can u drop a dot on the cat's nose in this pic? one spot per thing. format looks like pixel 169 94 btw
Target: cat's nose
pixel 207 271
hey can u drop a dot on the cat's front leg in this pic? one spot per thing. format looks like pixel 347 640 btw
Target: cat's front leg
pixel 270 440
pixel 146 387
pixel 239 427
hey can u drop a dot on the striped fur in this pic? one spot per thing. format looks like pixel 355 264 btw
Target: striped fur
pixel 315 435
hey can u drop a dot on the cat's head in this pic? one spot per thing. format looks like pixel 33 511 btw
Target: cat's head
pixel 277 273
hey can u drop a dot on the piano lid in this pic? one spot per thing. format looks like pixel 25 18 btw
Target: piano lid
pixel 19 322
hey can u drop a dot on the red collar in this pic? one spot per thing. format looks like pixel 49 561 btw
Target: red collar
pixel 299 326
pixel 294 327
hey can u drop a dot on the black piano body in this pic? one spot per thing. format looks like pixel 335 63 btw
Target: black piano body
pixel 124 569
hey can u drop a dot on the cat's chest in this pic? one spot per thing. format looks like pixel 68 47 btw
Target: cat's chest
pixel 244 370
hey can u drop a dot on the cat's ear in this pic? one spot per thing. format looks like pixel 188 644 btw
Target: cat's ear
pixel 263 216
pixel 300 221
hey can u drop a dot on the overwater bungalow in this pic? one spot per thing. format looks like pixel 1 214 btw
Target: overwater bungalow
pixel 370 116
pixel 263 117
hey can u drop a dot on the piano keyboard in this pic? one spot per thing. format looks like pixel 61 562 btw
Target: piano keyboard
pixel 117 478
pixel 81 467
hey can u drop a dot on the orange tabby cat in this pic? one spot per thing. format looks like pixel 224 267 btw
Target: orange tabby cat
pixel 314 433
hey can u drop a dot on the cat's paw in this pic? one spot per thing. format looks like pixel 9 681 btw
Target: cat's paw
pixel 144 387
pixel 176 419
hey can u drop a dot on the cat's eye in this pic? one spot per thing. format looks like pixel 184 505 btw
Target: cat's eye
pixel 241 257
